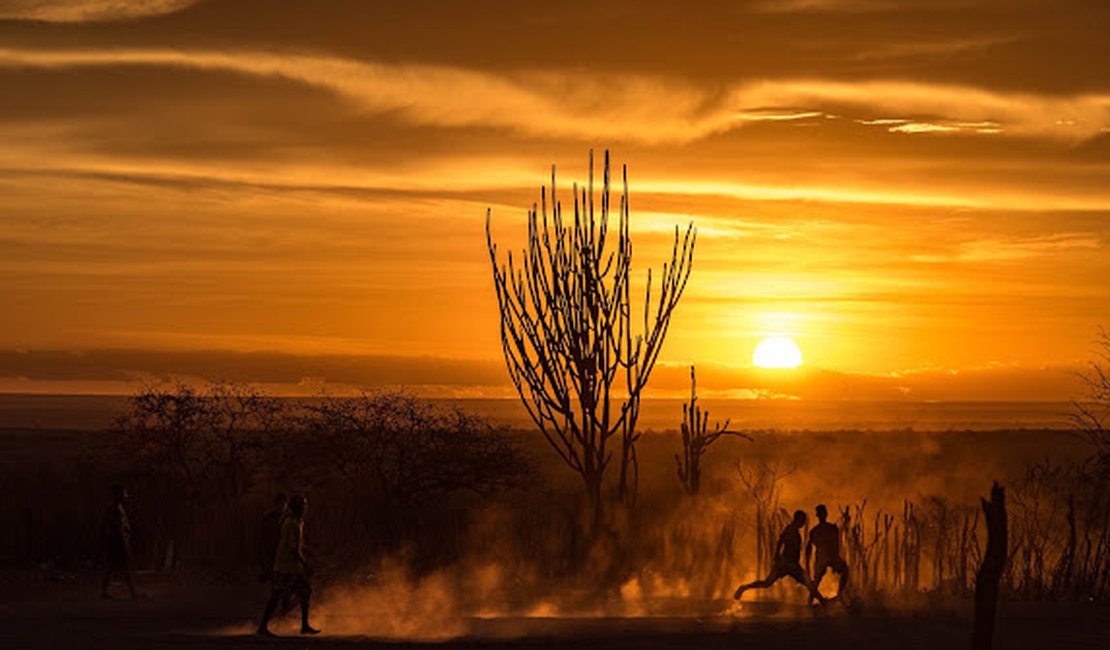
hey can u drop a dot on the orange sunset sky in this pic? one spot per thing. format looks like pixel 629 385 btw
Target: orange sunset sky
pixel 294 193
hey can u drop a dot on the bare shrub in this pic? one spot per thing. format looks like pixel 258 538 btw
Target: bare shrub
pixel 205 443
pixel 1060 539
pixel 393 449
pixel 195 454
pixel 763 482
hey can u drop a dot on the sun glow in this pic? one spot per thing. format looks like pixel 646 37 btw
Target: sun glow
pixel 777 352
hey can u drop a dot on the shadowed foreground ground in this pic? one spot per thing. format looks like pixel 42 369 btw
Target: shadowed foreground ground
pixel 70 615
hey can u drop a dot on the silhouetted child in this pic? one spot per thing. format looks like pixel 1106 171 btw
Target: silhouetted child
pixel 291 569
pixel 787 562
pixel 115 536
pixel 269 536
pixel 825 538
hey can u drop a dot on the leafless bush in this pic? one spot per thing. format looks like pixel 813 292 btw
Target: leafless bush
pixel 206 443
pixel 905 572
pixel 393 449
pixel 195 455
pixel 952 533
pixel 763 482
pixel 1060 544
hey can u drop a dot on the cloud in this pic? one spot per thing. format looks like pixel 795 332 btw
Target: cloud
pixel 123 371
pixel 902 125
pixel 76 11
pixel 57 152
pixel 777 116
pixel 265 367
pixel 1069 117
pixel 822 6
pixel 922 127
pixel 626 108
pixel 924 49
pixel 1015 248
pixel 442 376
pixel 987 383
pixel 475 178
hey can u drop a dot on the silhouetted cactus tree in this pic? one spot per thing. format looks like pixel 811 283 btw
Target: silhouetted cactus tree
pixel 1092 416
pixel 696 439
pixel 575 352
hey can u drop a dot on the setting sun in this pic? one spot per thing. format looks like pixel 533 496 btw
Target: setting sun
pixel 777 352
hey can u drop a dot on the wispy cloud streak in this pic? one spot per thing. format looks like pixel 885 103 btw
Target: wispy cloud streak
pixel 1015 249
pixel 76 11
pixel 628 108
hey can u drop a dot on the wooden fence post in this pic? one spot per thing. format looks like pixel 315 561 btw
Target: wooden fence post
pixel 990 571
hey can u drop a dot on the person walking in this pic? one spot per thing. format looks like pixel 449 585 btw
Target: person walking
pixel 292 571
pixel 116 543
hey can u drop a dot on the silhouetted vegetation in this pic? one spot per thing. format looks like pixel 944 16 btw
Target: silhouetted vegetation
pixel 570 333
pixel 1092 415
pixel 393 476
pixel 696 439
pixel 206 445
pixel 990 571
pixel 378 461
pixel 394 450
pixel 669 546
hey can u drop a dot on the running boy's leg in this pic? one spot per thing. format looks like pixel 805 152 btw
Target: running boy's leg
pixel 799 574
pixel 841 567
pixel 771 579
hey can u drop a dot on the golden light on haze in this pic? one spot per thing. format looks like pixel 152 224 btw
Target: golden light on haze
pixel 777 352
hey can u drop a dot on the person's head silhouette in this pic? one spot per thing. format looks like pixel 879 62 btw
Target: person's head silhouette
pixel 822 512
pixel 298 505
pixel 280 501
pixel 800 518
pixel 119 493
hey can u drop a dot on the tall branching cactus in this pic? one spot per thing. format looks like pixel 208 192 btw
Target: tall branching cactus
pixel 1092 412
pixel 696 439
pixel 575 352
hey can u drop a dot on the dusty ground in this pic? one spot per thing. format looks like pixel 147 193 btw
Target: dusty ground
pixel 42 614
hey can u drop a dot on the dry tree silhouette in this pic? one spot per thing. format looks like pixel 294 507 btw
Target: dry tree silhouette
pixel 696 439
pixel 573 348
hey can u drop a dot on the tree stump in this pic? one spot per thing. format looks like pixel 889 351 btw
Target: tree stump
pixel 990 571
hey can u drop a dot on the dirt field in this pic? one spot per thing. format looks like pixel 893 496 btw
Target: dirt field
pixel 44 614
